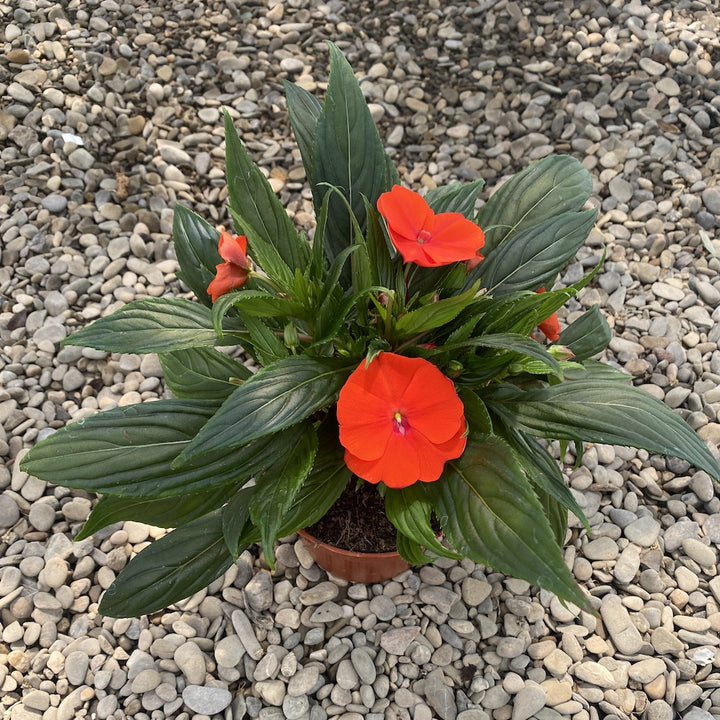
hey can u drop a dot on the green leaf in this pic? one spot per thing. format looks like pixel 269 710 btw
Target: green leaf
pixel 515 343
pixel 381 262
pixel 556 514
pixel 202 373
pixel 434 315
pixel 549 187
pixel 409 511
pixel 490 513
pixel 523 312
pixel 111 509
pixel 543 471
pixel 256 206
pixel 455 197
pixel 323 486
pixel 411 551
pixel 170 569
pixel 588 335
pixel 276 489
pixel 276 397
pixel 305 111
pixel 254 303
pixel 129 452
pixel 605 412
pixel 238 531
pixel 595 370
pixel 158 325
pixel 532 258
pixel 348 155
pixel 267 345
pixel 476 414
pixel 196 249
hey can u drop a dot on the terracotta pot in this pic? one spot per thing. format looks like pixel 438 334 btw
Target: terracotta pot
pixel 354 566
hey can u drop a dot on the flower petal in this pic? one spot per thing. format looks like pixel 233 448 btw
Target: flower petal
pixel 228 276
pixel 406 212
pixel 233 249
pixel 454 238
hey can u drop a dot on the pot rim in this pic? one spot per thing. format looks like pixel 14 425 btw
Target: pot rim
pixel 345 553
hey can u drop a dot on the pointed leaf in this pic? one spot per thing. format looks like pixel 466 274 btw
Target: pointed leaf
pixel 455 197
pixel 348 154
pixel 129 451
pixel 276 397
pixel 158 325
pixel 411 551
pixel 549 187
pixel 196 249
pixel 533 257
pixel 605 412
pixel 267 345
pixel 238 531
pixel 588 335
pixel 305 110
pixel 170 569
pixel 111 509
pixel 202 373
pixel 256 205
pixel 276 489
pixel 490 514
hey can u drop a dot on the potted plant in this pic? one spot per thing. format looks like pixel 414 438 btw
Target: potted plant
pixel 411 349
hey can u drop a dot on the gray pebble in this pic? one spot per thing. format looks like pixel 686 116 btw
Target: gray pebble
pixel 206 700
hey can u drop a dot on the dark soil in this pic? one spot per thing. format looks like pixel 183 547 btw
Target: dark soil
pixel 357 521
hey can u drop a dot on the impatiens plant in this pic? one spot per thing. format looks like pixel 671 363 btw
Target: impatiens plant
pixel 412 344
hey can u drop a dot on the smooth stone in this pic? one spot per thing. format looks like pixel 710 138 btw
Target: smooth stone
pixel 530 700
pixel 440 697
pixel 206 700
pixel 363 664
pixel 396 640
pixel 327 612
pixel 624 634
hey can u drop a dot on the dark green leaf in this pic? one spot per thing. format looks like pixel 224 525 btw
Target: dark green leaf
pixel 455 197
pixel 129 451
pixel 238 531
pixel 490 513
pixel 196 248
pixel 434 315
pixel 595 370
pixel 549 187
pixel 255 303
pixel 276 489
pixel 543 471
pixel 588 335
pixel 305 110
pixel 605 412
pixel 202 373
pixel 409 511
pixel 159 513
pixel 476 414
pixel 150 325
pixel 257 207
pixel 324 485
pixel 515 343
pixel 556 514
pixel 170 569
pixel 532 258
pixel 274 398
pixel 348 155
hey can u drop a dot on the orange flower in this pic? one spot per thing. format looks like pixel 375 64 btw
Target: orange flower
pixel 424 237
pixel 400 421
pixel 550 328
pixel 233 273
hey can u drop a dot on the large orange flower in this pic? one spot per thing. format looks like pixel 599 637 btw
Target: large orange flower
pixel 233 273
pixel 400 421
pixel 424 237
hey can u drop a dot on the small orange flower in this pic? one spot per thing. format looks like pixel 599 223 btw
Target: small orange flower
pixel 424 237
pixel 400 421
pixel 550 327
pixel 233 273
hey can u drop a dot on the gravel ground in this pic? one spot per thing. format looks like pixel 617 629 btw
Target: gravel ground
pixel 110 115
